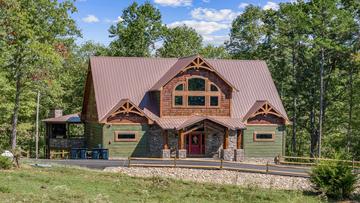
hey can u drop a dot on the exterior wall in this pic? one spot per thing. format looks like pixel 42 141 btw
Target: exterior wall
pixel 125 149
pixel 93 134
pixel 89 112
pixel 263 148
pixel 166 105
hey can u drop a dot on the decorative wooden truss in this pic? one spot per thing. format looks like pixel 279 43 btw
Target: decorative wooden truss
pixel 263 108
pixel 266 109
pixel 128 108
pixel 198 63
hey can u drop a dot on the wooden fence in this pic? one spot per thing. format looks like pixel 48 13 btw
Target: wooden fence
pixel 219 165
pixel 309 161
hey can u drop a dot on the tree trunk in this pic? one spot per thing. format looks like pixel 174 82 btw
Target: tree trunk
pixel 321 111
pixel 349 129
pixel 15 111
pixel 313 133
pixel 293 143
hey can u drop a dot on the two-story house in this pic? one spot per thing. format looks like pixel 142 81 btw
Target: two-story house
pixel 188 106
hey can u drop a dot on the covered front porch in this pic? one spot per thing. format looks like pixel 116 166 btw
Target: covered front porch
pixel 197 136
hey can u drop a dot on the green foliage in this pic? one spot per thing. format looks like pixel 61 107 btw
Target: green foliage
pixel 137 31
pixel 213 52
pixel 334 178
pixel 5 163
pixel 292 40
pixel 180 42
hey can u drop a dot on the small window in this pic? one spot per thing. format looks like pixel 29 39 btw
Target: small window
pixel 264 136
pixel 196 100
pixel 214 101
pixel 213 88
pixel 178 101
pixel 125 137
pixel 180 87
pixel 196 84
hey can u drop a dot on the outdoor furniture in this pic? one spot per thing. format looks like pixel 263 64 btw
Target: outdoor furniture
pixel 105 154
pixel 95 153
pixel 83 153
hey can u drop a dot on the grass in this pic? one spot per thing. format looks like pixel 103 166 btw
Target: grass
pixel 68 184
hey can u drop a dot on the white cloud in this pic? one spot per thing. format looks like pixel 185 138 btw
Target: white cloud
pixel 174 3
pixel 215 39
pixel 209 14
pixel 202 27
pixel 243 5
pixel 90 19
pixel 206 1
pixel 271 5
pixel 118 19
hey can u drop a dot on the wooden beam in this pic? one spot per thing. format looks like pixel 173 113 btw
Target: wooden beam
pixel 166 139
pixel 226 139
pixel 239 141
pixel 193 129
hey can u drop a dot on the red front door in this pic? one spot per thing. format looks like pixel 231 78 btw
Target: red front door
pixel 195 143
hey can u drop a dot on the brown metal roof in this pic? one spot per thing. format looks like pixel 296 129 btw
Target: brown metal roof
pixel 117 78
pixel 183 122
pixel 71 118
pixel 177 67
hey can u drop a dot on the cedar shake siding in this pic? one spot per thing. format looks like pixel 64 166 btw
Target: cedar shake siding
pixel 89 107
pixel 168 109
pixel 127 118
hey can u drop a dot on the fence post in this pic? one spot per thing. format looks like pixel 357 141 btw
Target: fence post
pixel 175 162
pixel 129 161
pixel 221 163
pixel 353 163
pixel 267 167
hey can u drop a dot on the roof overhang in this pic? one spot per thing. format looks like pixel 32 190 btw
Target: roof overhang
pixel 262 107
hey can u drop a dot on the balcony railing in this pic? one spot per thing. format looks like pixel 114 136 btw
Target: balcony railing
pixel 67 143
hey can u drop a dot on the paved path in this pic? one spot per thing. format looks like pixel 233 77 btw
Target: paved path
pixel 187 163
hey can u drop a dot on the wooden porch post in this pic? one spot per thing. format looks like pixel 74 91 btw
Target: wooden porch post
pixel 239 143
pixel 166 139
pixel 182 141
pixel 226 139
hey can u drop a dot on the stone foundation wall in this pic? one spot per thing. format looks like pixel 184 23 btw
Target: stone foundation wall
pixel 155 141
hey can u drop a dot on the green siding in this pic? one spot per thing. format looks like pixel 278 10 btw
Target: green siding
pixel 126 149
pixel 263 149
pixel 93 134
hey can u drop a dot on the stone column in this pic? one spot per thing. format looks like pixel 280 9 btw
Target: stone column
pixel 227 154
pixel 182 151
pixel 239 151
pixel 165 150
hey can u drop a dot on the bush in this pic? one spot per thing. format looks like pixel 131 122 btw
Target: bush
pixel 334 178
pixel 5 163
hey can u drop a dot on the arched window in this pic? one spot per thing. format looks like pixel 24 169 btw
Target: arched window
pixel 179 87
pixel 196 92
pixel 196 84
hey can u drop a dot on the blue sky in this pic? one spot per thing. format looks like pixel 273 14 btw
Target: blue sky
pixel 210 18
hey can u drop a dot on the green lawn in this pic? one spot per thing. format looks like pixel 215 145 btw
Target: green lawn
pixel 65 184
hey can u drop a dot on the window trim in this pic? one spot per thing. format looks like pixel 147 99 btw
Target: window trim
pixel 116 133
pixel 264 140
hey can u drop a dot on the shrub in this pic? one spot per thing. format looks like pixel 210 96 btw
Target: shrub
pixel 334 178
pixel 5 163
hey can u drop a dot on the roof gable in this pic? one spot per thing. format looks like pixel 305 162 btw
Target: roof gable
pixel 263 107
pixel 125 106
pixel 184 64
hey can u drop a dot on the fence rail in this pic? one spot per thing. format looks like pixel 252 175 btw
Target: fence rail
pixel 219 165
pixel 291 160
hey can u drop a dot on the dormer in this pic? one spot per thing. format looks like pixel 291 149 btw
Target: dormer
pixel 193 87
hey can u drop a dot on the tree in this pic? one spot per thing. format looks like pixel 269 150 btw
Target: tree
pixel 213 52
pixel 179 42
pixel 137 31
pixel 34 34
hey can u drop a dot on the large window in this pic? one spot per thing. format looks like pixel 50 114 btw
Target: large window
pixel 196 84
pixel 125 136
pixel 196 92
pixel 264 136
